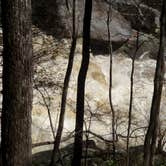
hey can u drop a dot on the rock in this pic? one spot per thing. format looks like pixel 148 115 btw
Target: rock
pixel 120 29
pixel 141 16
pixel 99 47
pixel 156 4
pixel 54 18
pixel 148 46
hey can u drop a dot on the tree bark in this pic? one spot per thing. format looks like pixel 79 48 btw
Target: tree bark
pixel 151 136
pixel 81 85
pixel 17 83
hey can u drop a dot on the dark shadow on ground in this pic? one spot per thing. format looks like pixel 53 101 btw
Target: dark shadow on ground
pixel 101 47
pixel 98 157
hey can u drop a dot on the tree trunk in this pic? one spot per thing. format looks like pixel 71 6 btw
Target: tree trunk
pixel 81 85
pixel 131 100
pixel 109 15
pixel 151 136
pixel 17 83
pixel 65 86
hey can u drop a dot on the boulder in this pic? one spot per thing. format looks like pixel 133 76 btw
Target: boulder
pixel 156 4
pixel 119 28
pixel 53 17
pixel 141 16
pixel 148 46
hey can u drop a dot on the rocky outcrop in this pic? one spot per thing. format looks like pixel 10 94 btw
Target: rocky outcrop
pixel 53 17
pixel 156 4
pixel 147 46
pixel 119 27
pixel 141 16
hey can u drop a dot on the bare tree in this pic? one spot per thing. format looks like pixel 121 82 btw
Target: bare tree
pixel 131 99
pixel 110 77
pixel 151 136
pixel 17 83
pixel 65 86
pixel 81 85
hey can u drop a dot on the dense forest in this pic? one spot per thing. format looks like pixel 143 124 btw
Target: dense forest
pixel 83 83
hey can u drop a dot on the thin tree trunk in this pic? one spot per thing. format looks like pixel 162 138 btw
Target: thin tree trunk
pixel 110 81
pixel 65 89
pixel 81 85
pixel 17 83
pixel 151 136
pixel 131 99
pixel 87 128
